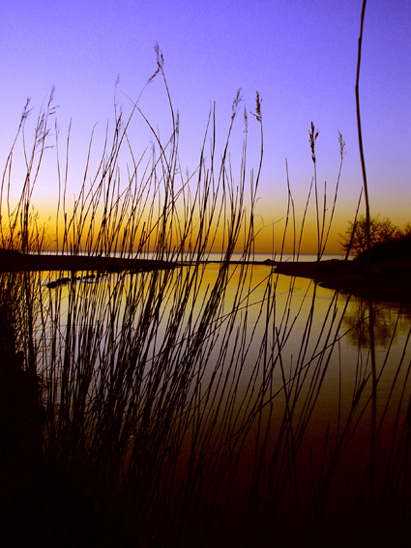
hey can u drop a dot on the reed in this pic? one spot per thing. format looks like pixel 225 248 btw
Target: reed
pixel 174 407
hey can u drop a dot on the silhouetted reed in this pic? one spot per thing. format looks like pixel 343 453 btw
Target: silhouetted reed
pixel 178 409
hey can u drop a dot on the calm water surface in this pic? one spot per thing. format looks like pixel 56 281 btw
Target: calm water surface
pixel 302 329
pixel 283 379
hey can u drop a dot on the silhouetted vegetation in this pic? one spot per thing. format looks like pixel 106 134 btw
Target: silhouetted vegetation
pixel 396 249
pixel 382 231
pixel 189 406
pixel 390 252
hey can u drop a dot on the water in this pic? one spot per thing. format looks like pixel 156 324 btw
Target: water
pixel 260 390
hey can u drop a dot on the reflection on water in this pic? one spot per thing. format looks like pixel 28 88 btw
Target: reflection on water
pixel 232 405
pixel 390 322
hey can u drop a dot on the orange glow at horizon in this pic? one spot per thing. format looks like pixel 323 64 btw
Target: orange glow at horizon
pixel 269 239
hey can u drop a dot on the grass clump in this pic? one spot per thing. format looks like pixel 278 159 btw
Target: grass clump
pixel 179 406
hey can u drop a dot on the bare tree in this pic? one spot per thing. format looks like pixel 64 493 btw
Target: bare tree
pixel 354 240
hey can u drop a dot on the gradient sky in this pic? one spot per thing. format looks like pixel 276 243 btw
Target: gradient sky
pixel 300 55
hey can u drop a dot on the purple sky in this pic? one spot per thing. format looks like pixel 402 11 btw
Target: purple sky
pixel 300 55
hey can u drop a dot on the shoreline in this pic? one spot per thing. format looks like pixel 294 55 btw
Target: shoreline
pixel 387 282
pixel 12 261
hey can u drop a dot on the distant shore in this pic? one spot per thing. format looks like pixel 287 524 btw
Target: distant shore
pixel 389 281
pixel 11 261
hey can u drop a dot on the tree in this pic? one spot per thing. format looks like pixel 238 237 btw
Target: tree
pixel 354 240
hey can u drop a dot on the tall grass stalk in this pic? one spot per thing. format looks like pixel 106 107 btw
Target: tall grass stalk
pixel 177 408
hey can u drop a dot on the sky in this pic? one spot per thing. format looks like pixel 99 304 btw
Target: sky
pixel 301 57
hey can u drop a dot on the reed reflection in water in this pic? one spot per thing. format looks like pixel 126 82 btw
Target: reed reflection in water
pixel 235 412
